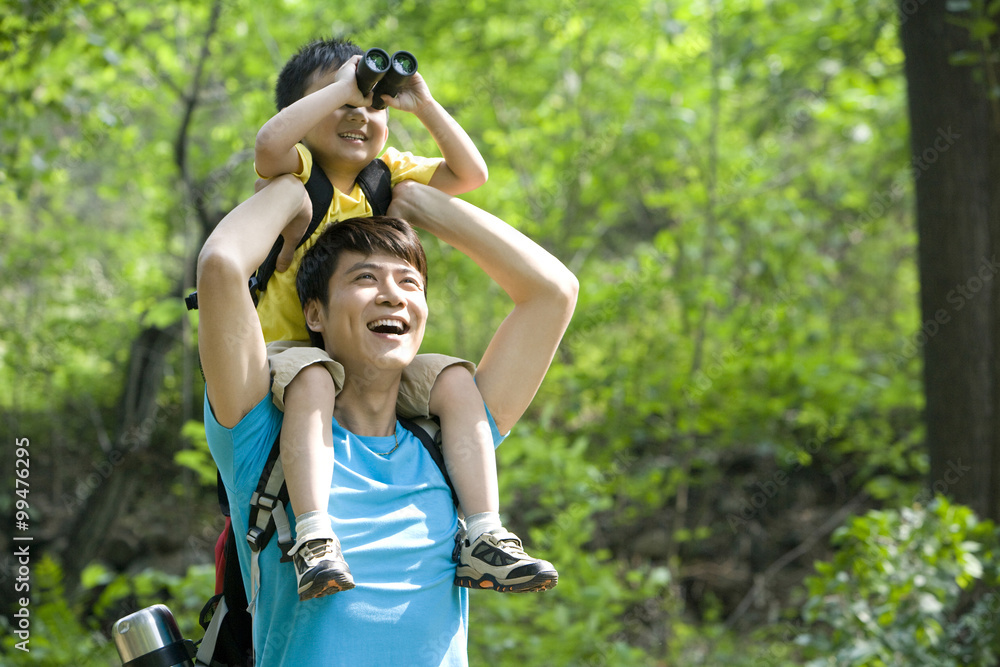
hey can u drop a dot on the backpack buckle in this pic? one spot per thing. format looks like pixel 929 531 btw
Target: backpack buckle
pixel 285 548
pixel 254 536
pixel 263 501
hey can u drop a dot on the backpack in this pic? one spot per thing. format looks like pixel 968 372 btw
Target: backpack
pixel 375 181
pixel 227 621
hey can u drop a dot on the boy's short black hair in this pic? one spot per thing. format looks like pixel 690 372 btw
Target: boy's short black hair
pixel 315 58
pixel 368 236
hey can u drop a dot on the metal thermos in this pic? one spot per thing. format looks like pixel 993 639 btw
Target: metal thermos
pixel 152 634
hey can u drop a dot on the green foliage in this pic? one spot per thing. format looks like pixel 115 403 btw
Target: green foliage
pixel 198 458
pixel 59 637
pixel 915 586
pixel 728 180
pixel 979 19
pixel 589 610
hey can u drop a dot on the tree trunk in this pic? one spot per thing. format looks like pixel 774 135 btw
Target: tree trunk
pixel 137 414
pixel 954 143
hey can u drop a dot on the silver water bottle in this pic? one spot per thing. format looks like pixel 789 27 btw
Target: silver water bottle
pixel 151 634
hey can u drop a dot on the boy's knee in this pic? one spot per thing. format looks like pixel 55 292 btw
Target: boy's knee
pixel 315 377
pixel 453 386
pixel 455 380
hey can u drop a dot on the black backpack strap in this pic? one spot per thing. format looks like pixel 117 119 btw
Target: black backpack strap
pixel 267 505
pixel 320 192
pixel 428 431
pixel 375 181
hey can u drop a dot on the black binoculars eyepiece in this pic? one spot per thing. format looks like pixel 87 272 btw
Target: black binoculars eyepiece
pixel 385 74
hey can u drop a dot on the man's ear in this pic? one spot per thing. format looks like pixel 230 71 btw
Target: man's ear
pixel 313 313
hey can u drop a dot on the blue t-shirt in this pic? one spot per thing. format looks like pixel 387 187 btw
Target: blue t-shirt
pixel 396 522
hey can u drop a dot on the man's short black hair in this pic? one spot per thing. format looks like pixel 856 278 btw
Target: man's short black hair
pixel 313 59
pixel 368 236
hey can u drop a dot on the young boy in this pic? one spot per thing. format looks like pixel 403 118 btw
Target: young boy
pixel 324 120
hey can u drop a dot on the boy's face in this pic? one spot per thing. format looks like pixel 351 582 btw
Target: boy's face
pixel 350 136
pixel 375 314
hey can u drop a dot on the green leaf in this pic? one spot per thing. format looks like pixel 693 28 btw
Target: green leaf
pixel 164 313
pixel 983 28
pixel 965 58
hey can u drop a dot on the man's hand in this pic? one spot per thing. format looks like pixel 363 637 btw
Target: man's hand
pixel 405 202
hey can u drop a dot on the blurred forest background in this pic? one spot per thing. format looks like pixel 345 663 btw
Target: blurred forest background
pixel 728 462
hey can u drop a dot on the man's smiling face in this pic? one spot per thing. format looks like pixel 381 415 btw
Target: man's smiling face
pixel 375 313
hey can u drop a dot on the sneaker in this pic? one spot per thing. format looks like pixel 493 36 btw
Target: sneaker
pixel 496 561
pixel 320 569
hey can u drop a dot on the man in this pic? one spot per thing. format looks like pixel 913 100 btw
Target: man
pixel 364 297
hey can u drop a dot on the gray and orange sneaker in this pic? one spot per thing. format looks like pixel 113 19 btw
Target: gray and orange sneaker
pixel 496 561
pixel 320 569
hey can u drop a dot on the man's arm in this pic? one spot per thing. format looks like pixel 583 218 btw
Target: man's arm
pixel 464 168
pixel 230 341
pixel 543 290
pixel 274 149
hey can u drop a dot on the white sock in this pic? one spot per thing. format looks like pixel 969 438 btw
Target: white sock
pixel 484 522
pixel 315 525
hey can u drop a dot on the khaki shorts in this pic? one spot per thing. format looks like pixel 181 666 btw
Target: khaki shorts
pixel 287 358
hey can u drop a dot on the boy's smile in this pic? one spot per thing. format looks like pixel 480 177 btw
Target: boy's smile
pixel 348 139
pixel 354 137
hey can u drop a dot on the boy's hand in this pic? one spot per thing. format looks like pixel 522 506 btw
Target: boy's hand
pixel 413 96
pixel 349 72
pixel 293 233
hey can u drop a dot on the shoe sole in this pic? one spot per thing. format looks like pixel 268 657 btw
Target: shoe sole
pixel 541 581
pixel 326 583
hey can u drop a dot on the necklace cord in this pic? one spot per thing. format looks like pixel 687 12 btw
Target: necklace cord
pixel 395 435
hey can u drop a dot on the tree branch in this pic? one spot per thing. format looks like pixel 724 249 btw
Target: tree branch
pixel 191 98
pixel 828 526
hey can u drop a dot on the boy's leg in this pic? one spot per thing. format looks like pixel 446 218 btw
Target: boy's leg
pixel 491 557
pixel 467 443
pixel 307 459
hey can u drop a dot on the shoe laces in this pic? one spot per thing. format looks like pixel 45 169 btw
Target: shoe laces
pixel 511 543
pixel 317 549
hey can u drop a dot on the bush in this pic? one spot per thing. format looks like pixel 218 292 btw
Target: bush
pixel 62 632
pixel 917 586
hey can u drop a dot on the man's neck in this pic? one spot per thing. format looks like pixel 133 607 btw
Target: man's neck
pixel 367 407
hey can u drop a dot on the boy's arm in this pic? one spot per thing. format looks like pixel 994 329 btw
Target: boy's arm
pixel 230 341
pixel 543 290
pixel 274 149
pixel 464 168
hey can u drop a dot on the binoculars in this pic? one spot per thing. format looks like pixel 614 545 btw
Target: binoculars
pixel 384 73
